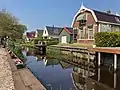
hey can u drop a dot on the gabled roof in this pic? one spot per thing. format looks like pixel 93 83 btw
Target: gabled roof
pixel 30 34
pixel 51 62
pixel 69 30
pixel 106 17
pixel 65 65
pixel 53 30
pixel 99 16
pixel 40 31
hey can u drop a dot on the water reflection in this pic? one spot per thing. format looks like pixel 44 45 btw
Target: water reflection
pixel 54 74
pixel 75 74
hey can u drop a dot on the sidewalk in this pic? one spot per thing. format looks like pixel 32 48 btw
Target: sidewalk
pixel 6 79
pixel 12 78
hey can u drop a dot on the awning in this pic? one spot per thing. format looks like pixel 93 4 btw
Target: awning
pixel 81 17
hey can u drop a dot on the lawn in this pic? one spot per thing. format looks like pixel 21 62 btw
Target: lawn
pixel 76 45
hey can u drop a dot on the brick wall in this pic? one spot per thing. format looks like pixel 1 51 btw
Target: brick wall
pixel 85 41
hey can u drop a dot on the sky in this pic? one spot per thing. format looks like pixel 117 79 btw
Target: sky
pixel 36 14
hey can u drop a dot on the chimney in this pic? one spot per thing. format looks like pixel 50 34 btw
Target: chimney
pixel 108 11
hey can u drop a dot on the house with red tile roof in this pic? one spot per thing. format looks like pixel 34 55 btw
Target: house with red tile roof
pixel 87 22
pixel 66 35
pixel 30 35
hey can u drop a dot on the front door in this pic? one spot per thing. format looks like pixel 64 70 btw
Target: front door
pixel 64 39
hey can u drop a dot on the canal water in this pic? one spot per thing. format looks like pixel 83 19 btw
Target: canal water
pixel 57 74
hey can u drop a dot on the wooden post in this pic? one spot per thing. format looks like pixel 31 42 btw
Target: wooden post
pixel 99 57
pixel 115 80
pixel 98 74
pixel 115 62
pixel 88 57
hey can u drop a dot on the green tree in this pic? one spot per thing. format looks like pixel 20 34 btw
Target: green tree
pixel 10 26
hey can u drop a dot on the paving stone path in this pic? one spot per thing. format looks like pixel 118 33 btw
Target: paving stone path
pixel 6 79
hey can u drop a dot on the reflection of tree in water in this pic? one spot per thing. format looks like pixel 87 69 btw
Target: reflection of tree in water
pixel 17 50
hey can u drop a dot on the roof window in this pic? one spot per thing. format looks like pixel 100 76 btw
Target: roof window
pixel 117 19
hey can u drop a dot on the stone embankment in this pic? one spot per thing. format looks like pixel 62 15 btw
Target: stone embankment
pixel 12 78
pixel 6 79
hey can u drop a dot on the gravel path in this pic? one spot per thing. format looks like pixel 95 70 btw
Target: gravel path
pixel 6 80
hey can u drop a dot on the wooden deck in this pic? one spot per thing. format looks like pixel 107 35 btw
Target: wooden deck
pixel 114 50
pixel 24 79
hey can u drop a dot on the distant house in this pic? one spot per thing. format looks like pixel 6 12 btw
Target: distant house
pixel 66 35
pixel 39 33
pixel 51 32
pixel 30 35
pixel 87 22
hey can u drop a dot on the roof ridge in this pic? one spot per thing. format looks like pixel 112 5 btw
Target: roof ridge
pixel 69 27
pixel 111 14
pixel 54 26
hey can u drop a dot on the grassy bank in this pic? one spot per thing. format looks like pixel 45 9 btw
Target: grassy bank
pixel 76 45
pixel 28 45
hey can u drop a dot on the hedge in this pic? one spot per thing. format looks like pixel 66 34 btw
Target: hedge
pixel 48 41
pixel 107 39
pixel 52 42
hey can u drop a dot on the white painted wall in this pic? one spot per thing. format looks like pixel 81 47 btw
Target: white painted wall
pixel 36 33
pixel 45 33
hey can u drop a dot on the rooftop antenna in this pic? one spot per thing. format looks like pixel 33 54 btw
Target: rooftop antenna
pixel 108 8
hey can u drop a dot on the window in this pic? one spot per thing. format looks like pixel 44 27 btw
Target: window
pixel 81 36
pixel 45 31
pixel 117 19
pixel 86 32
pixel 90 32
pixel 105 27
pixel 82 22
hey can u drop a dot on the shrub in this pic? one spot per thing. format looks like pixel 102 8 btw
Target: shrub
pixel 48 41
pixel 107 39
pixel 52 42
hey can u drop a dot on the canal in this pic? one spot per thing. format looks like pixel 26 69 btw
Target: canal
pixel 60 74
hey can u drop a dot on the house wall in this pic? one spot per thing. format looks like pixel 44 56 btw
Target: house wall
pixel 85 41
pixel 109 27
pixel 64 33
pixel 45 33
pixel 90 21
pixel 89 18
pixel 115 28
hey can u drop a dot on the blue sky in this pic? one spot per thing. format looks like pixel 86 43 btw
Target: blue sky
pixel 38 13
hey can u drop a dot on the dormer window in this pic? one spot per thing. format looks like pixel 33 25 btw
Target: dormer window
pixel 117 19
pixel 45 31
pixel 81 19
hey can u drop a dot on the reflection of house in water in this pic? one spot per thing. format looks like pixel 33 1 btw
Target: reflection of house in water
pixel 50 62
pixel 79 75
pixel 107 59
pixel 30 53
pixel 40 57
pixel 102 79
pixel 65 65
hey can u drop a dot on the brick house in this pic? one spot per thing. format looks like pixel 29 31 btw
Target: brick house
pixel 87 22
